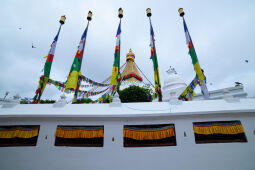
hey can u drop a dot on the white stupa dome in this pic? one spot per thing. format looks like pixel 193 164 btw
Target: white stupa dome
pixel 173 85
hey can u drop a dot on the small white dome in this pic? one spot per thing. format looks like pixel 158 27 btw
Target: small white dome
pixel 173 85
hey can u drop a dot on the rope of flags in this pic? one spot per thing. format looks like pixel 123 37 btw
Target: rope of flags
pixel 89 93
pixel 93 83
pixel 56 83
pixel 107 97
pixel 189 93
pixel 86 85
pixel 61 87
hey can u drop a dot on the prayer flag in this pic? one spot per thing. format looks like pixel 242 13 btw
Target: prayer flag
pixel 195 62
pixel 74 73
pixel 115 70
pixel 155 64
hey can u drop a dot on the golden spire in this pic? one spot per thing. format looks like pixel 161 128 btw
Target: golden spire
pixel 130 72
pixel 130 55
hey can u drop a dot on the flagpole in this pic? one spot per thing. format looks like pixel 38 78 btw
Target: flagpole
pixel 89 18
pixel 84 42
pixel 206 97
pixel 204 88
pixel 182 15
pixel 148 10
pixel 43 84
pixel 120 15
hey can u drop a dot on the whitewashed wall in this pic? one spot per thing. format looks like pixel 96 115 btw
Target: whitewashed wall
pixel 113 156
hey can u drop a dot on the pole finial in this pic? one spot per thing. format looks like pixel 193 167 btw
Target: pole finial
pixel 120 13
pixel 62 20
pixel 89 18
pixel 181 12
pixel 148 11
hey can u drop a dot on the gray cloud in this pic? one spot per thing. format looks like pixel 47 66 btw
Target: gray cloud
pixel 222 32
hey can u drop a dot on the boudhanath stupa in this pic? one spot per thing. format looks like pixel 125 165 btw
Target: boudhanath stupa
pixel 130 75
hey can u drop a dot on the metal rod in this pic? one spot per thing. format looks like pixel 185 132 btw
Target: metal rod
pixel 156 60
pixel 79 78
pixel 41 86
pixel 118 83
pixel 190 36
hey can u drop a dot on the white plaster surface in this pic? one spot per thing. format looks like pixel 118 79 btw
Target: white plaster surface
pixel 128 109
pixel 113 156
pixel 236 92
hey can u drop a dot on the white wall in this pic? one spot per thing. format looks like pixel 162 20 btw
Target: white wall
pixel 236 92
pixel 113 156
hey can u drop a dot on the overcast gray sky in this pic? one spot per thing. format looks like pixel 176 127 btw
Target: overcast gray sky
pixel 222 33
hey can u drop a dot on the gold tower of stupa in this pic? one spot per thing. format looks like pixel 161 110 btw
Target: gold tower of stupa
pixel 130 74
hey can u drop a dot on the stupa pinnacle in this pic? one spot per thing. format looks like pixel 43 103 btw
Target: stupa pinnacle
pixel 130 74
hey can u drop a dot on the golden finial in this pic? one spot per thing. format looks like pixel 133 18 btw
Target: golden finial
pixel 130 52
pixel 148 11
pixel 120 13
pixel 89 18
pixel 181 12
pixel 62 19
pixel 130 55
